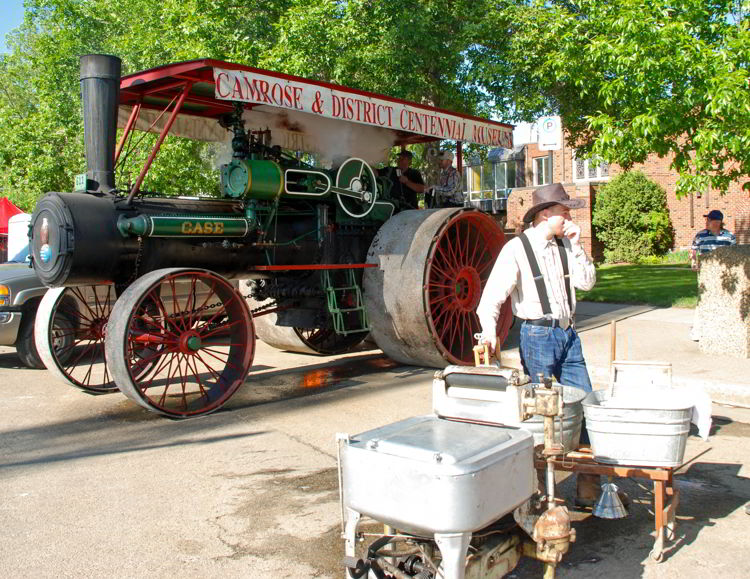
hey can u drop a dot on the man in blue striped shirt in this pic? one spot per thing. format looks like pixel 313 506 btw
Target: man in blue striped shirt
pixel 710 238
pixel 705 241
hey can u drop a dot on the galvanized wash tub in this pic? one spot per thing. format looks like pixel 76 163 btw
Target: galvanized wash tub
pixel 571 420
pixel 639 428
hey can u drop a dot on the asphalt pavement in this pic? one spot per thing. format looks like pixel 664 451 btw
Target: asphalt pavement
pixel 95 486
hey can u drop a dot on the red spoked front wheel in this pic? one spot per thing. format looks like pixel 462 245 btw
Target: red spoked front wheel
pixel 181 342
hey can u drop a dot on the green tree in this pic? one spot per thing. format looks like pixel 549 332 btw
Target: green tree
pixel 630 78
pixel 415 49
pixel 41 129
pixel 631 219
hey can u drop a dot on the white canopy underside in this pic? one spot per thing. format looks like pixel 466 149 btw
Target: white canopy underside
pixel 333 139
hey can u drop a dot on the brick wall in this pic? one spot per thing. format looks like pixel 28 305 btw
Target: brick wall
pixel 686 214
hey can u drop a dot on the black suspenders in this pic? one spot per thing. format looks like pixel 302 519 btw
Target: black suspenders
pixel 539 279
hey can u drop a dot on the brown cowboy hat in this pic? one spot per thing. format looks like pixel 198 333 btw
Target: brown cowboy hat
pixel 548 196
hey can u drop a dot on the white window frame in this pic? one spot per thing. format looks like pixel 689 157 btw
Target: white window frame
pixel 547 161
pixel 586 177
pixel 505 165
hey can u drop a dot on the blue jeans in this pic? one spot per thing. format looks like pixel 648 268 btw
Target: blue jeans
pixel 554 352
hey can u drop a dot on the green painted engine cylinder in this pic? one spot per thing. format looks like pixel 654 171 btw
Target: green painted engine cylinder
pixel 184 226
pixel 252 179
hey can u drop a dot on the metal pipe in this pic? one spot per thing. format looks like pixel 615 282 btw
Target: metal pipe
pixel 100 97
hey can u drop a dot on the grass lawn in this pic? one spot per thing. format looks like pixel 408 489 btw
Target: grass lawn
pixel 657 285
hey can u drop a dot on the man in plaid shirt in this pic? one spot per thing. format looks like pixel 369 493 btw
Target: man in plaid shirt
pixel 447 192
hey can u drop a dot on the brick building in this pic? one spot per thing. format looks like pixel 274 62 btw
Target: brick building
pixel 515 174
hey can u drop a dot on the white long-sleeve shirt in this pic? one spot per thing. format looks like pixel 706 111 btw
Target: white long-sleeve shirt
pixel 511 276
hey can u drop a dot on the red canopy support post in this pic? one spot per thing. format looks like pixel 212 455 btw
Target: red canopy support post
pixel 128 127
pixel 459 156
pixel 157 146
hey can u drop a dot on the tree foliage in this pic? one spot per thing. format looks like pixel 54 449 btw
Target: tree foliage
pixel 631 219
pixel 413 50
pixel 630 78
pixel 41 128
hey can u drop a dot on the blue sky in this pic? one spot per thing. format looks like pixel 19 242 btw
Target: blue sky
pixel 11 16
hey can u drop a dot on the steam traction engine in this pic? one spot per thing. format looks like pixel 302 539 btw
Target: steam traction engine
pixel 141 300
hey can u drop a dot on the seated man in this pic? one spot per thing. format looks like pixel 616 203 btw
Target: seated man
pixel 405 181
pixel 447 192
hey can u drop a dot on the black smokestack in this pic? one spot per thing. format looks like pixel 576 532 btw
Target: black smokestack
pixel 100 93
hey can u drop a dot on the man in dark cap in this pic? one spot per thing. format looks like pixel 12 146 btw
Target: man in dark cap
pixel 540 271
pixel 405 181
pixel 705 241
pixel 710 238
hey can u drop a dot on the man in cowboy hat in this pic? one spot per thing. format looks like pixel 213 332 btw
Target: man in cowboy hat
pixel 540 270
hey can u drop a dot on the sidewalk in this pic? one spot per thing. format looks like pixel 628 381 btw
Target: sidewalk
pixel 648 333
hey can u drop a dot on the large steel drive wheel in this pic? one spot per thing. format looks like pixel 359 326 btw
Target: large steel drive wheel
pixel 180 341
pixel 323 341
pixel 431 269
pixel 69 334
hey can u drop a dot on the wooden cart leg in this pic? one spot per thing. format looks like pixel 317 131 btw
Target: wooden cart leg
pixel 670 514
pixel 657 553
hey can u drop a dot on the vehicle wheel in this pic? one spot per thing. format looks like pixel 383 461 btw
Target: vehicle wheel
pixel 70 327
pixel 25 346
pixel 180 341
pixel 304 341
pixel 421 298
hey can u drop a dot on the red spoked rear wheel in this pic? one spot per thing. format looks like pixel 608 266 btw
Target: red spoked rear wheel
pixel 459 264
pixel 180 342
pixel 431 268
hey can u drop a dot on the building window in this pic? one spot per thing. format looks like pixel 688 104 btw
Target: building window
pixel 505 175
pixel 542 170
pixel 583 170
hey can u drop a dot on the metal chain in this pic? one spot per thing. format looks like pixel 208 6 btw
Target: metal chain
pixel 138 257
pixel 196 310
pixel 263 307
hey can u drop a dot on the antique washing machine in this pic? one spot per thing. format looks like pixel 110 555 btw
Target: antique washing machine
pixel 460 494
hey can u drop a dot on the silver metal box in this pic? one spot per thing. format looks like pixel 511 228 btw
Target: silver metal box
pixel 427 475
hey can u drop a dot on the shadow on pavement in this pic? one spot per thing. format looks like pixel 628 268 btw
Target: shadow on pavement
pixel 708 492
pixel 131 428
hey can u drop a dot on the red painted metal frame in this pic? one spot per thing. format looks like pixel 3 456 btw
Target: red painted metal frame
pixel 164 80
pixel 159 141
pixel 314 266
pixel 128 127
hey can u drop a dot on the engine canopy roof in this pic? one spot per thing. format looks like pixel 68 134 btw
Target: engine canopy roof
pixel 302 114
